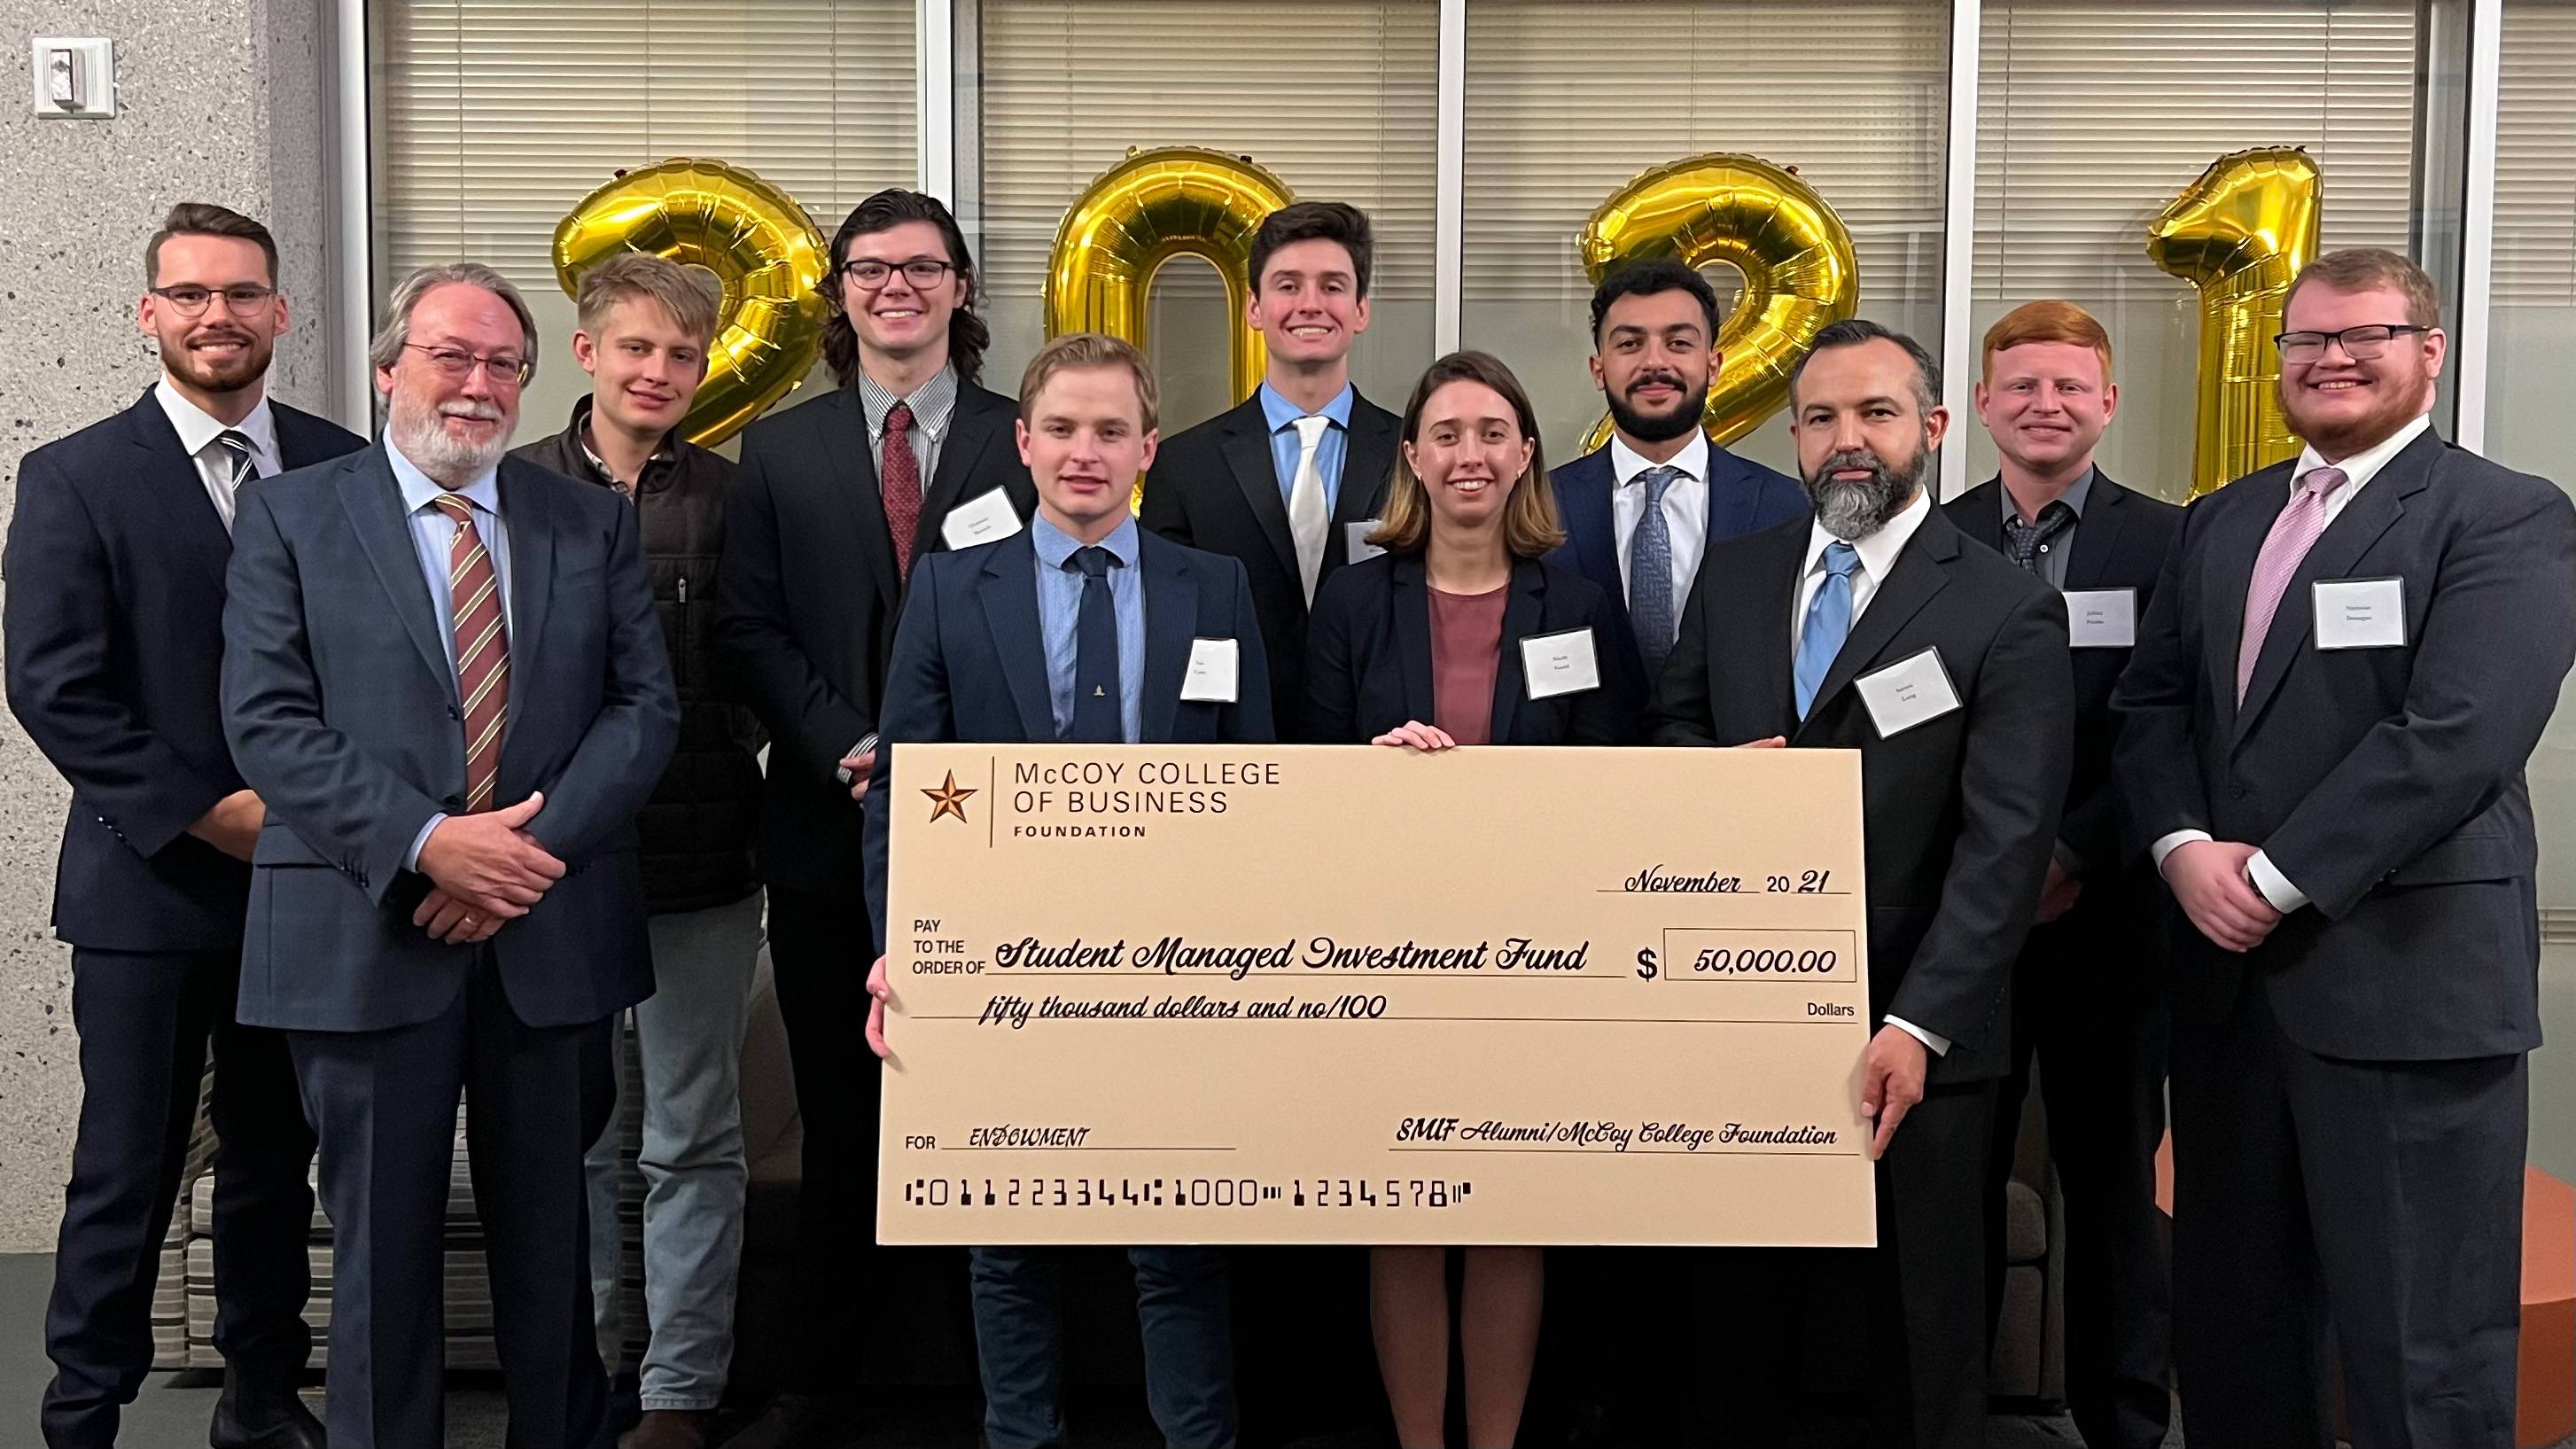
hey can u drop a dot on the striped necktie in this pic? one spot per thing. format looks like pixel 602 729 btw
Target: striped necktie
pixel 482 649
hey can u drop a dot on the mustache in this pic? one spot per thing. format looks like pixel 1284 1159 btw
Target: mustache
pixel 1850 458
pixel 206 337
pixel 1645 380
pixel 481 412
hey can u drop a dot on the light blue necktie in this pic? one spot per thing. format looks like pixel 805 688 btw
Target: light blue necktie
pixel 1650 573
pixel 1829 617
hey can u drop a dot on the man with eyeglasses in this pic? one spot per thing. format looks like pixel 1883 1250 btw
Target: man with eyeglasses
pixel 115 608
pixel 2323 732
pixel 443 672
pixel 835 503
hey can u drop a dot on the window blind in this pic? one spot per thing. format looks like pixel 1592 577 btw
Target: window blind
pixel 2092 114
pixel 2535 220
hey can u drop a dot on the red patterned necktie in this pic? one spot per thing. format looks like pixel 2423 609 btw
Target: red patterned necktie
pixel 902 486
pixel 482 650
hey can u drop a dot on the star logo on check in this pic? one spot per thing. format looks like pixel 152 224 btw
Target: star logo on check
pixel 949 799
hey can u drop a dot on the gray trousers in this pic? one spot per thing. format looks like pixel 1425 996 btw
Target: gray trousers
pixel 689 1042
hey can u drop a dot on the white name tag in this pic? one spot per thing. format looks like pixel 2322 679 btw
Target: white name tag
pixel 1211 677
pixel 1557 664
pixel 2361 613
pixel 2102 618
pixel 980 520
pixel 1360 549
pixel 1907 693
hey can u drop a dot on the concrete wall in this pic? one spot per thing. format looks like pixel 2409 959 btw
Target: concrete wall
pixel 222 100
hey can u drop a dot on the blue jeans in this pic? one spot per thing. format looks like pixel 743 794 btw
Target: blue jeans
pixel 1019 1345
pixel 688 1037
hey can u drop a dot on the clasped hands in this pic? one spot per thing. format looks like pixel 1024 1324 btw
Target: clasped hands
pixel 2209 882
pixel 485 871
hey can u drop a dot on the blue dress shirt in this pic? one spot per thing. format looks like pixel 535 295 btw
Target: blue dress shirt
pixel 1282 416
pixel 1060 610
pixel 431 532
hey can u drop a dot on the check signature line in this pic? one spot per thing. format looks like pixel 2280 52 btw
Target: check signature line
pixel 1721 895
pixel 1086 1149
pixel 1642 1151
pixel 1551 1020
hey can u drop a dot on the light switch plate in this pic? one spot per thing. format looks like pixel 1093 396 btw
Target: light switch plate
pixel 74 77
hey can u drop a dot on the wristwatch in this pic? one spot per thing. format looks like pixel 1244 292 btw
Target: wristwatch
pixel 867 745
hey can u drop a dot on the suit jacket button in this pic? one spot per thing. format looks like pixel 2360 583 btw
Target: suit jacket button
pixel 451 712
pixel 2236 791
pixel 455 802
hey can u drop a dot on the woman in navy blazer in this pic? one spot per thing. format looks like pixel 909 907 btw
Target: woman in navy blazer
pixel 1460 634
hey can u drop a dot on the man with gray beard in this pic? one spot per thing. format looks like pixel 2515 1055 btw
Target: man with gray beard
pixel 444 677
pixel 1876 627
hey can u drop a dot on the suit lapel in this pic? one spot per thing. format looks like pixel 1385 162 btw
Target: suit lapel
pixel 1409 594
pixel 1520 620
pixel 1764 590
pixel 373 501
pixel 2370 514
pixel 973 427
pixel 848 470
pixel 2232 552
pixel 180 489
pixel 1171 594
pixel 527 512
pixel 1246 447
pixel 1009 594
pixel 1368 461
pixel 1593 527
pixel 1922 570
pixel 2097 535
pixel 1734 496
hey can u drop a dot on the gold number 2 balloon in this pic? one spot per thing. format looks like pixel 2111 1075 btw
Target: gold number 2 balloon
pixel 1800 271
pixel 2240 234
pixel 760 244
pixel 1154 206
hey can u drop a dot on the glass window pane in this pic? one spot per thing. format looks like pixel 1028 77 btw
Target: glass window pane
pixel 493 117
pixel 1335 99
pixel 1559 115
pixel 2092 114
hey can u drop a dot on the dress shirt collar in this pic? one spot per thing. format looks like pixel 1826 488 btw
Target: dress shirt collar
pixel 1878 551
pixel 933 404
pixel 2074 498
pixel 663 450
pixel 1626 462
pixel 198 430
pixel 2363 466
pixel 1280 413
pixel 419 490
pixel 1054 545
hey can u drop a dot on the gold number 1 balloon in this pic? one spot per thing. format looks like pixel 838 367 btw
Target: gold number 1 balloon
pixel 1800 270
pixel 2240 234
pixel 1154 206
pixel 760 244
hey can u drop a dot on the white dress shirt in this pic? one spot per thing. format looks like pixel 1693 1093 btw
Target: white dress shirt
pixel 1877 555
pixel 1685 508
pixel 2358 470
pixel 197 434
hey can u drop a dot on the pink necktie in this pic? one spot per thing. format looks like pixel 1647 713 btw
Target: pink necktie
pixel 2292 535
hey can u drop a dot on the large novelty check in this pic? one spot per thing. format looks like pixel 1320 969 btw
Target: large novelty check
pixel 1301 994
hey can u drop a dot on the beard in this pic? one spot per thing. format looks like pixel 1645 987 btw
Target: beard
pixel 213 375
pixel 1852 509
pixel 1660 427
pixel 2398 406
pixel 419 435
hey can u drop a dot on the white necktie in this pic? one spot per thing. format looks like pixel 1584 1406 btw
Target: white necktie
pixel 1309 521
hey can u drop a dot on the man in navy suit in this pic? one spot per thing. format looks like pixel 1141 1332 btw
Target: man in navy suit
pixel 2322 739
pixel 1641 511
pixel 1080 628
pixel 115 608
pixel 443 673
pixel 2088 990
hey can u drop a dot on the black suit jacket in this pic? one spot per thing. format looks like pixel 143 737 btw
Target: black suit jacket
pixel 1743 497
pixel 1961 810
pixel 115 564
pixel 970 662
pixel 1216 487
pixel 2119 544
pixel 1368 657
pixel 2386 783
pixel 808 595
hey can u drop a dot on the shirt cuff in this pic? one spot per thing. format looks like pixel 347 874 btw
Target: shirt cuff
pixel 1939 1044
pixel 411 857
pixel 2274 886
pixel 2165 846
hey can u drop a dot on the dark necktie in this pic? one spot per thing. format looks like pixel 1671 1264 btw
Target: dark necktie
pixel 902 491
pixel 2028 539
pixel 1097 718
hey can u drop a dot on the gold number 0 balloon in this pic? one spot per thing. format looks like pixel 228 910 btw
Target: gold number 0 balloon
pixel 760 244
pixel 1154 206
pixel 1800 271
pixel 2240 234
